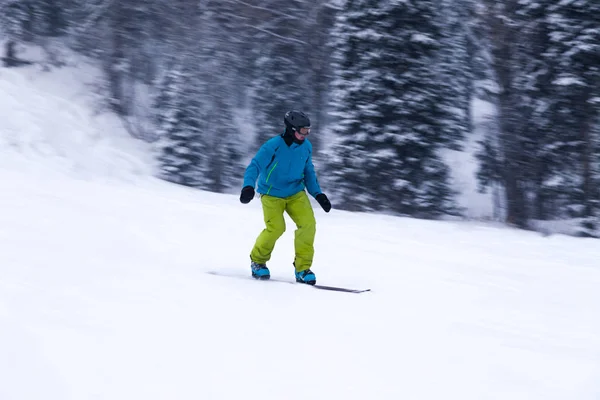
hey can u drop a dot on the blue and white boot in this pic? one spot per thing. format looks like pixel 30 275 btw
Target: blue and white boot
pixel 306 276
pixel 260 271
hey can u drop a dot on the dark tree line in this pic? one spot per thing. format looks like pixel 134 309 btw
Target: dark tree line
pixel 388 84
pixel 545 57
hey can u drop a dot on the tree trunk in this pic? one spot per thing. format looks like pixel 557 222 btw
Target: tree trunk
pixel 10 58
pixel 9 54
pixel 503 37
pixel 115 68
pixel 516 210
pixel 586 164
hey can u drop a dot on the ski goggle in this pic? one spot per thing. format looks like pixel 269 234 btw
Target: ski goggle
pixel 303 131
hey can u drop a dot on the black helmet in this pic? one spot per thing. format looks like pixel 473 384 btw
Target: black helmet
pixel 295 120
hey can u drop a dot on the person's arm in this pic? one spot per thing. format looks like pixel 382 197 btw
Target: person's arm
pixel 263 157
pixel 312 184
pixel 310 178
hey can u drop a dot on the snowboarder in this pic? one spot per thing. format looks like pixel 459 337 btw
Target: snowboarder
pixel 284 168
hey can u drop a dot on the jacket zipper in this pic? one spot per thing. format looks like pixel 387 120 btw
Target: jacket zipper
pixel 271 171
pixel 269 176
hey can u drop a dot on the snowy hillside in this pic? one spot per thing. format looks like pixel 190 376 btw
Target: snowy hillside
pixel 51 121
pixel 104 291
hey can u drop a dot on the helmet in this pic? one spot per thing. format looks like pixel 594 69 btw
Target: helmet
pixel 295 120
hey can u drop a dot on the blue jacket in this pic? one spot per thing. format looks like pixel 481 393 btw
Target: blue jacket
pixel 282 170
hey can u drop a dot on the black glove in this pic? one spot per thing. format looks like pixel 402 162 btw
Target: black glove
pixel 247 194
pixel 323 201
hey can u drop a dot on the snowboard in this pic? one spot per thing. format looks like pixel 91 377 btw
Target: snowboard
pixel 291 282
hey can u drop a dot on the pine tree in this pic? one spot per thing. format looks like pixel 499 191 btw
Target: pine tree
pixel 201 145
pixel 455 73
pixel 282 81
pixel 50 16
pixel 317 60
pixel 506 156
pixel 544 57
pixel 544 139
pixel 387 104
pixel 16 21
pixel 219 130
pixel 575 44
pixel 31 19
pixel 181 156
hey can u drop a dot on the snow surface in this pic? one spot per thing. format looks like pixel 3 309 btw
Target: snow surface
pixel 104 292
pixel 50 121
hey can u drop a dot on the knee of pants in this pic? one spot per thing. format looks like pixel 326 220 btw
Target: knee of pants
pixel 309 226
pixel 308 222
pixel 277 229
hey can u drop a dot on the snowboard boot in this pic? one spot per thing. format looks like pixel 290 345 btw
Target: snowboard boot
pixel 306 276
pixel 260 271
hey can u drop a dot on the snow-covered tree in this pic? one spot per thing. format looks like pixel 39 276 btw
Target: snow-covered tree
pixel 575 45
pixel 200 143
pixel 219 80
pixel 282 71
pixel 544 57
pixel 181 156
pixel 387 103
pixel 455 71
pixel 509 151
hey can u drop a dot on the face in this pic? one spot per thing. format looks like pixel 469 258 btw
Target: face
pixel 302 133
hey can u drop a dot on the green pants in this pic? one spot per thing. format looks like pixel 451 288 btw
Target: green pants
pixel 300 210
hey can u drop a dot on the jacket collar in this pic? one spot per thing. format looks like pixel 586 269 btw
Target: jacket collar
pixel 289 138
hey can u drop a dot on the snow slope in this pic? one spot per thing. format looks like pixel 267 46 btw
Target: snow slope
pixel 104 292
pixel 50 121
